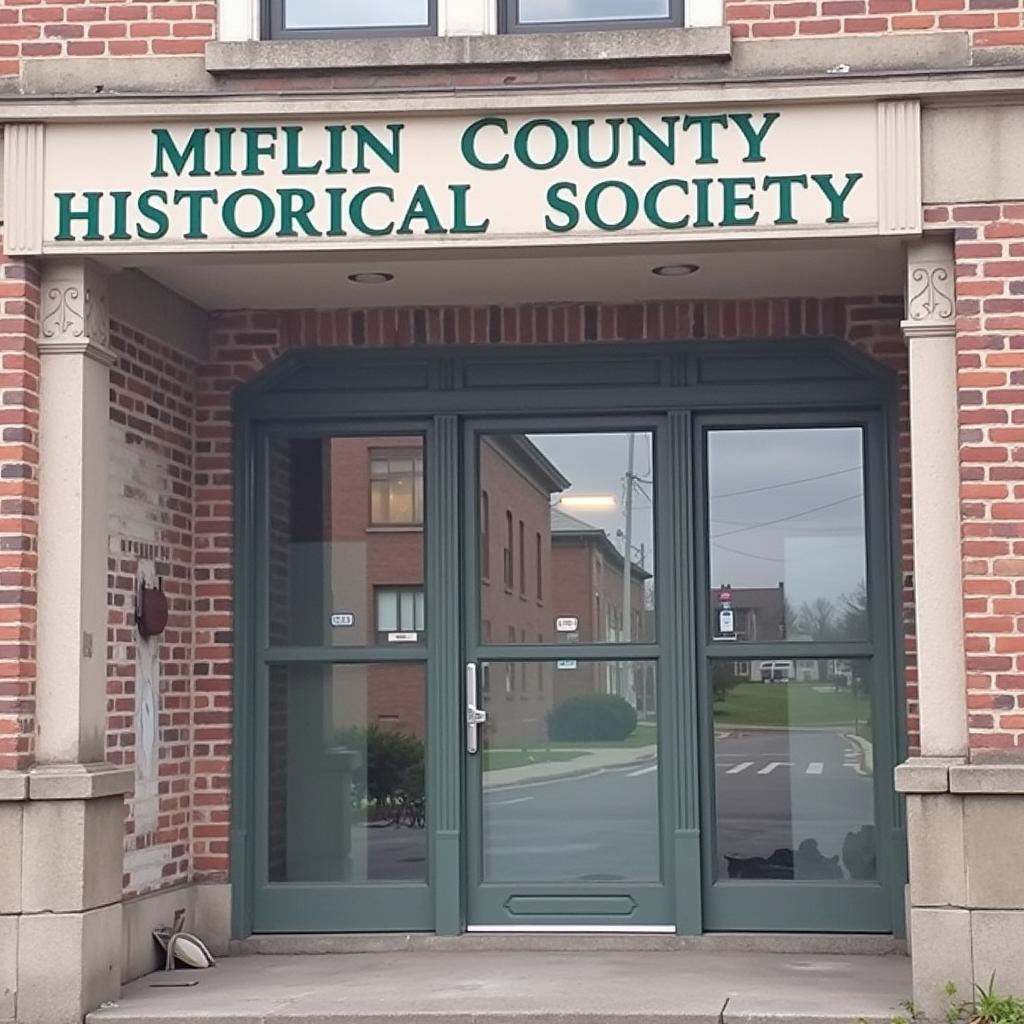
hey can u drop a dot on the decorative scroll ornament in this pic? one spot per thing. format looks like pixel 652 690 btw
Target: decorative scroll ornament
pixel 64 311
pixel 931 296
pixel 74 307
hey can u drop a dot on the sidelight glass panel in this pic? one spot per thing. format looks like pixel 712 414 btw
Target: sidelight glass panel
pixel 346 793
pixel 794 757
pixel 570 771
pixel 346 533
pixel 787 534
pixel 538 11
pixel 579 502
pixel 355 14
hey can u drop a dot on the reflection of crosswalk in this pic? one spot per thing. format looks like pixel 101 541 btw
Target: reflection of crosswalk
pixel 768 767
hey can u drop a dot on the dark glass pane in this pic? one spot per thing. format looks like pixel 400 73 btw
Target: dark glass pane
pixel 531 11
pixel 787 537
pixel 346 541
pixel 570 771
pixel 578 501
pixel 355 14
pixel 346 773
pixel 794 764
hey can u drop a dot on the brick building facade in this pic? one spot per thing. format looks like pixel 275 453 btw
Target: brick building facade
pixel 135 343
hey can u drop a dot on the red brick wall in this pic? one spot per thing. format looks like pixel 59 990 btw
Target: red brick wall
pixel 129 28
pixel 152 389
pixel 19 505
pixel 245 342
pixel 989 22
pixel 989 248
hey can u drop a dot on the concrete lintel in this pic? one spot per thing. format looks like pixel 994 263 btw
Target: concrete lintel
pixel 149 307
pixel 79 781
pixel 13 786
pixel 925 774
pixel 448 51
pixel 986 778
pixel 858 54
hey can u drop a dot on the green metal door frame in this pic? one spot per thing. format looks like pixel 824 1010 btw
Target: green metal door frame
pixel 487 902
pixel 683 387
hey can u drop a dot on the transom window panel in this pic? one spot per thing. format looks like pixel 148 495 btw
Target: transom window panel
pixel 396 487
pixel 529 14
pixel 355 15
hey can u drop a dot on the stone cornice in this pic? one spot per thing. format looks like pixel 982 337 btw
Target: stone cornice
pixel 959 88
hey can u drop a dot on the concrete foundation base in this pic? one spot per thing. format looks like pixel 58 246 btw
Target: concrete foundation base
pixel 526 988
pixel 964 823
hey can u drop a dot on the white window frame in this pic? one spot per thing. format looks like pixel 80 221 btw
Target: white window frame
pixel 238 21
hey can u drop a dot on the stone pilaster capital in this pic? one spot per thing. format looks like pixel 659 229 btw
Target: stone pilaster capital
pixel 74 315
pixel 931 291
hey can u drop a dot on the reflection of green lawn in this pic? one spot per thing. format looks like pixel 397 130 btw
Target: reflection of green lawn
pixel 792 704
pixel 644 735
pixel 495 759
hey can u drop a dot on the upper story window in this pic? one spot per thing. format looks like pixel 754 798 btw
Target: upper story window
pixel 396 487
pixel 321 18
pixel 578 15
pixel 311 19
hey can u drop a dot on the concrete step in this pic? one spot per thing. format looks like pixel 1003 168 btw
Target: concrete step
pixel 570 942
pixel 524 987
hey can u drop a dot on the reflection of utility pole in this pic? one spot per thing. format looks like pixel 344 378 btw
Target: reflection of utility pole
pixel 626 633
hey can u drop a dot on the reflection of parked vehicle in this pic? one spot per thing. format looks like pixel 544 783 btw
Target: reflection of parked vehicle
pixel 776 671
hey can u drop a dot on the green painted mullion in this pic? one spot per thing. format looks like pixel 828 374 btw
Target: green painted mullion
pixel 795 395
pixel 247 485
pixel 574 652
pixel 406 653
pixel 445 720
pixel 684 701
pixel 793 650
pixel 888 693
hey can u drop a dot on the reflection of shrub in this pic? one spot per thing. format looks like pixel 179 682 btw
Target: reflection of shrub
pixel 394 764
pixel 722 683
pixel 592 717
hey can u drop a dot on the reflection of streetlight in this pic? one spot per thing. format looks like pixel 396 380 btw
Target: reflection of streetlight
pixel 587 501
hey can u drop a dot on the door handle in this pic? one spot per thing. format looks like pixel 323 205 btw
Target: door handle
pixel 475 717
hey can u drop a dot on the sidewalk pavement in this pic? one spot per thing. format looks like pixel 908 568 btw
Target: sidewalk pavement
pixel 593 761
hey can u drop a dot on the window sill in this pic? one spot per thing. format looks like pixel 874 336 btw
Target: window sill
pixel 439 51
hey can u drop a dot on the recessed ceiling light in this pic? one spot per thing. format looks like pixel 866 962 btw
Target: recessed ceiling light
pixel 376 277
pixel 676 270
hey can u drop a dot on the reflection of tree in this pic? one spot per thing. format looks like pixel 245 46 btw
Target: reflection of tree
pixel 846 618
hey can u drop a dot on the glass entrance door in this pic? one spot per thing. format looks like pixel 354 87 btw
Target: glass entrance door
pixel 578 671
pixel 568 771
pixel 342 685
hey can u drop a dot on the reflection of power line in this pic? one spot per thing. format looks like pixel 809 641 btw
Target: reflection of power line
pixel 785 519
pixel 746 554
pixel 788 483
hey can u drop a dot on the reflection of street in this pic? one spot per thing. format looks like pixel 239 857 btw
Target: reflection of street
pixel 395 853
pixel 778 788
pixel 599 826
pixel 595 818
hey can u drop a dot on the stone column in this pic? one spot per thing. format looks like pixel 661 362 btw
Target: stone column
pixel 69 945
pixel 940 924
pixel 930 332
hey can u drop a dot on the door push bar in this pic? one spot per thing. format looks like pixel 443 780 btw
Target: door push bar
pixel 475 717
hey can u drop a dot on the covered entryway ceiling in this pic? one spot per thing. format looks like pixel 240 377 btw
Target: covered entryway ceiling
pixel 597 273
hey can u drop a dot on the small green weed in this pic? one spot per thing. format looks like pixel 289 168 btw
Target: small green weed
pixel 985 1008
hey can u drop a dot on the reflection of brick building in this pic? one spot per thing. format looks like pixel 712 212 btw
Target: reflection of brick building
pixel 589 586
pixel 348 563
